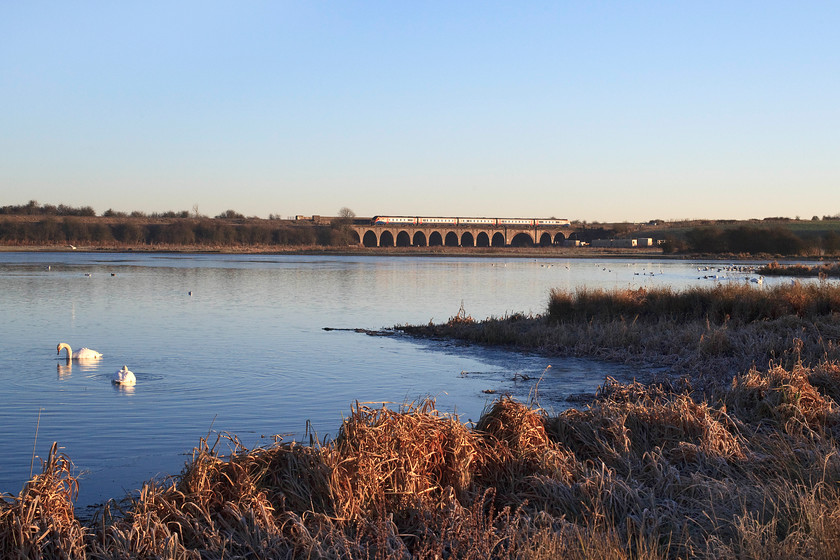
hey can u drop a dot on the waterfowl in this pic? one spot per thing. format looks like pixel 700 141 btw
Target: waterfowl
pixel 82 354
pixel 124 377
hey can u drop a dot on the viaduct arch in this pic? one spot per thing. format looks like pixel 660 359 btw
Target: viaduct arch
pixel 410 235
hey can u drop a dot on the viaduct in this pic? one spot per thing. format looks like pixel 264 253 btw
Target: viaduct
pixel 413 235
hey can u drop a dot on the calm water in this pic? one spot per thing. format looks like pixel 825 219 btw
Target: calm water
pixel 246 352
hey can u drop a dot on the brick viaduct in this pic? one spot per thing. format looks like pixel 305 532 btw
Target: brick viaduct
pixel 461 235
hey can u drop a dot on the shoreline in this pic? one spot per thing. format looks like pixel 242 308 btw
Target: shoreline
pixel 524 252
pixel 423 252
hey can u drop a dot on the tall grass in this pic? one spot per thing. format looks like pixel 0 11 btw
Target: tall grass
pixel 822 270
pixel 740 303
pixel 40 522
pixel 709 332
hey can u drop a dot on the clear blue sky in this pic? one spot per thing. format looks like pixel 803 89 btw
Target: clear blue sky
pixel 592 110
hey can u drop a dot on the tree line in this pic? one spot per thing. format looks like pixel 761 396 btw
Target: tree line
pixel 776 240
pixel 62 224
pixel 182 231
pixel 33 208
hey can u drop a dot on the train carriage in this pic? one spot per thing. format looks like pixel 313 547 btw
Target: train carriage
pixel 437 221
pixel 477 221
pixel 515 222
pixel 397 220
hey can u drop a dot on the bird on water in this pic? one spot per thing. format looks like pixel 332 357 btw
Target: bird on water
pixel 81 354
pixel 124 377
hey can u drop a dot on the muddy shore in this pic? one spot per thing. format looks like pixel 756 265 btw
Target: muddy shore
pixel 431 252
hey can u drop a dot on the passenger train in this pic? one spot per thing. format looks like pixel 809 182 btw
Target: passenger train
pixel 434 221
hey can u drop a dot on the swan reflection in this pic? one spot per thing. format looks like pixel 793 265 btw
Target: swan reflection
pixel 80 366
pixel 124 389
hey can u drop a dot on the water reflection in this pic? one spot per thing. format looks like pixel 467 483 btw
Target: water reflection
pixel 81 366
pixel 123 389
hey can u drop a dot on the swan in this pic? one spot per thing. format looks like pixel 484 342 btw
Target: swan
pixel 124 377
pixel 83 354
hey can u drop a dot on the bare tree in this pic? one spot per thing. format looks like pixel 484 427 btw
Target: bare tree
pixel 340 232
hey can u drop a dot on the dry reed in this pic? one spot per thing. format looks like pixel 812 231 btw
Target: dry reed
pixel 645 471
pixel 710 333
pixel 822 270
pixel 40 522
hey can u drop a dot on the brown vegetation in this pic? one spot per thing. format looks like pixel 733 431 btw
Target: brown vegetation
pixel 643 472
pixel 711 333
pixel 822 270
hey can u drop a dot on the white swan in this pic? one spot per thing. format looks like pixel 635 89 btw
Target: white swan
pixel 124 377
pixel 83 354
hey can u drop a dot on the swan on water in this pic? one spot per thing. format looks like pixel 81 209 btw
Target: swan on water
pixel 82 354
pixel 124 377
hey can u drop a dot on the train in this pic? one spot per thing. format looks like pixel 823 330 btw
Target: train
pixel 456 221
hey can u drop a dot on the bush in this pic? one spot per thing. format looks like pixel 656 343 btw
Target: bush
pixel 129 233
pixel 231 215
pixel 76 231
pixel 745 239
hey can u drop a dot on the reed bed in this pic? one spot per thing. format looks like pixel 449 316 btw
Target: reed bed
pixel 644 471
pixel 737 303
pixel 40 522
pixel 710 333
pixel 822 270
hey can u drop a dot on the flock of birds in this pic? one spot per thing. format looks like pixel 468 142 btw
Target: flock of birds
pixel 716 273
pixel 747 269
pixel 123 377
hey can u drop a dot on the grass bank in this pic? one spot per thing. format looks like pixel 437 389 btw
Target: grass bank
pixel 709 333
pixel 354 250
pixel 707 464
pixel 822 270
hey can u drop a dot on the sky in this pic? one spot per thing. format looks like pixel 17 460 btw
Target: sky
pixel 595 110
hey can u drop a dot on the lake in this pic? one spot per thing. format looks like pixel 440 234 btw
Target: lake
pixel 236 344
